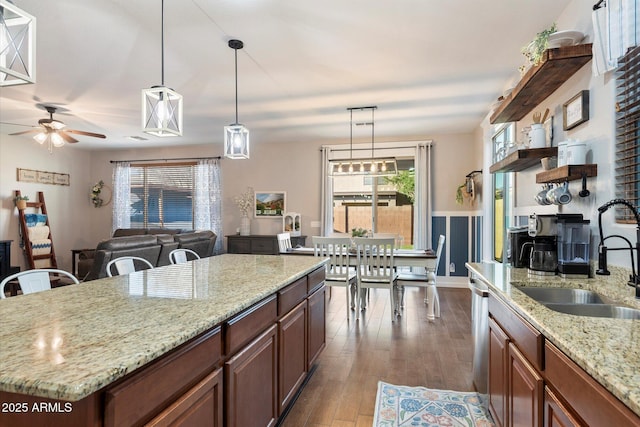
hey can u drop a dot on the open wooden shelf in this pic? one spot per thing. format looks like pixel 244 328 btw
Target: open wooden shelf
pixel 523 159
pixel 567 173
pixel 542 80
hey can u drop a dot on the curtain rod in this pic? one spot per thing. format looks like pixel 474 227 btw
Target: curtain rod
pixel 165 160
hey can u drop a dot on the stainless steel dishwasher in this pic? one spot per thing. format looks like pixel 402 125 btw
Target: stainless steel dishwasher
pixel 480 333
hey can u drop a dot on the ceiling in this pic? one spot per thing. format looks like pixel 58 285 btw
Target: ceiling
pixel 430 66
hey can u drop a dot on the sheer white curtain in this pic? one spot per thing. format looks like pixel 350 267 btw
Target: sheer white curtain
pixel 326 202
pixel 422 205
pixel 208 199
pixel 121 196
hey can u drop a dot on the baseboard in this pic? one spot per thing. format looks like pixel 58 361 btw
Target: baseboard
pixel 452 282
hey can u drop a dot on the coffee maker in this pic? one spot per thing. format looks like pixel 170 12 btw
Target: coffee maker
pixel 519 245
pixel 573 238
pixel 543 260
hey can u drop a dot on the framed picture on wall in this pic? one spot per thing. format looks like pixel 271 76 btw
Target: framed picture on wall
pixel 576 110
pixel 270 204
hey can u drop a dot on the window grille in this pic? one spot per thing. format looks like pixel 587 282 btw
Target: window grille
pixel 627 167
pixel 162 195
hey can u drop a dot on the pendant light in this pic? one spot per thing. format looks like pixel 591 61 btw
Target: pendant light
pixel 17 45
pixel 161 106
pixel 236 136
pixel 371 166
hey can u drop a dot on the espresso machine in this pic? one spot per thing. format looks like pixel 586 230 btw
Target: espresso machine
pixel 543 259
pixel 573 238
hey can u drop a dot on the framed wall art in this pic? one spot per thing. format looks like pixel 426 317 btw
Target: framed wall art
pixel 576 110
pixel 43 177
pixel 270 204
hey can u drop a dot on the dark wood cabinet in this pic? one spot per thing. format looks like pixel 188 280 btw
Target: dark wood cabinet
pixel 259 244
pixel 200 406
pixel 316 330
pixel 555 413
pixel 5 259
pixel 251 379
pixel 292 361
pixel 526 388
pixel 497 384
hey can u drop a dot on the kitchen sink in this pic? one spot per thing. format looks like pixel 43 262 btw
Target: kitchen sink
pixel 596 310
pixel 562 295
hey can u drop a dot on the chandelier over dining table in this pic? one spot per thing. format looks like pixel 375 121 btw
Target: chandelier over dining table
pixel 363 165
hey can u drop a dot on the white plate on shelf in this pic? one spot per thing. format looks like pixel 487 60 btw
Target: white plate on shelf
pixel 565 38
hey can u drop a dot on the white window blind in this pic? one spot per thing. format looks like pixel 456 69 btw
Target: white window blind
pixel 162 196
pixel 628 133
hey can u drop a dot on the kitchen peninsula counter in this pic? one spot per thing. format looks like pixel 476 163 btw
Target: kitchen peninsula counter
pixel 607 349
pixel 72 341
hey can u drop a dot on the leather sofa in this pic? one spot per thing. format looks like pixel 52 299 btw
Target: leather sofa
pixel 155 248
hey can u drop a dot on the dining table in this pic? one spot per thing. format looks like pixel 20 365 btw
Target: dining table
pixel 413 258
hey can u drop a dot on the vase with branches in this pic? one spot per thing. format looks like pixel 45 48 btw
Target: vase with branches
pixel 245 203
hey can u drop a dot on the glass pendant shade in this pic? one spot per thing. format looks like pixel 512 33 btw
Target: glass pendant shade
pixel 236 141
pixel 161 111
pixel 52 138
pixel 17 45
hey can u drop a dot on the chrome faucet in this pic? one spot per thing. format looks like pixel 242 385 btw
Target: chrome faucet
pixel 634 278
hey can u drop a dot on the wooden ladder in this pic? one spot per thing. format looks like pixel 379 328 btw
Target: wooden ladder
pixel 40 207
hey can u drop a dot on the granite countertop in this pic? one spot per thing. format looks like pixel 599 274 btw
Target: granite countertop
pixel 607 349
pixel 69 342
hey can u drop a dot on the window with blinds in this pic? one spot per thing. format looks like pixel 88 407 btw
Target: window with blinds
pixel 628 133
pixel 162 196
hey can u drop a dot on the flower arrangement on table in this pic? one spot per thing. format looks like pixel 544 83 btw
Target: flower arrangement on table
pixel 245 202
pixel 95 194
pixel 359 232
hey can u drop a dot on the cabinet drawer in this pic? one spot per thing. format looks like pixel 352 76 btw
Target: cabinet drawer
pixel 315 279
pixel 141 395
pixel 594 404
pixel 290 296
pixel 527 339
pixel 264 246
pixel 239 246
pixel 248 324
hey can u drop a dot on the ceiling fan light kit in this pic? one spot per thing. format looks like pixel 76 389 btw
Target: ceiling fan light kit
pixel 17 45
pixel 161 106
pixel 236 136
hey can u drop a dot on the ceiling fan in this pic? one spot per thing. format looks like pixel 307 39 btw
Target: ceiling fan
pixel 54 132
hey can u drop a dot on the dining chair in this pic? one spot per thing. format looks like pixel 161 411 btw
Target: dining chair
pixel 179 256
pixel 32 281
pixel 376 269
pixel 284 242
pixel 126 265
pixel 339 273
pixel 427 280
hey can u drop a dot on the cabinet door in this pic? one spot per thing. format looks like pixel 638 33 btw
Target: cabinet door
pixel 555 413
pixel 525 391
pixel 316 325
pixel 200 406
pixel 292 363
pixel 238 245
pixel 265 245
pixel 498 364
pixel 251 383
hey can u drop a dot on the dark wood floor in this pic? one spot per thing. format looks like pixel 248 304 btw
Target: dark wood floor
pixel 411 351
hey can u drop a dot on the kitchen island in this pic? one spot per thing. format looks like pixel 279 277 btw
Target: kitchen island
pixel 154 345
pixel 583 361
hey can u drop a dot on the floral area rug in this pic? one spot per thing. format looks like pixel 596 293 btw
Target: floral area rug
pixel 418 406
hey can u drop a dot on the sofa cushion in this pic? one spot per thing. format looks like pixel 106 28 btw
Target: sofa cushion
pixel 201 242
pixel 167 244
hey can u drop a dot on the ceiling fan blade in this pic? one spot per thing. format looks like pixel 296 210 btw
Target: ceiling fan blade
pixel 81 132
pixel 16 124
pixel 66 137
pixel 26 131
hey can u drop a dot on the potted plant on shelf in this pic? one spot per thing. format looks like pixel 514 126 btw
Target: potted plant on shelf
pixel 21 202
pixel 534 50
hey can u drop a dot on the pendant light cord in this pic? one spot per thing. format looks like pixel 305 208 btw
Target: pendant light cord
pixel 162 42
pixel 236 52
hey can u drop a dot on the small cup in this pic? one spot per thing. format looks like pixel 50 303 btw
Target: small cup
pixel 560 195
pixel 541 197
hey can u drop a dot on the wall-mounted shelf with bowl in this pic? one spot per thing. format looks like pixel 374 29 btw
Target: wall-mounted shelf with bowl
pixel 540 81
pixel 523 159
pixel 567 173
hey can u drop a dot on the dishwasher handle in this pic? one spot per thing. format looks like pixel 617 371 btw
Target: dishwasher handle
pixel 478 288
